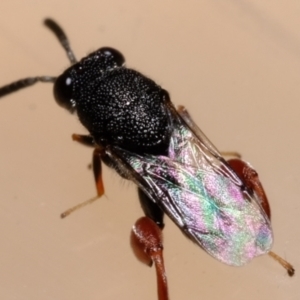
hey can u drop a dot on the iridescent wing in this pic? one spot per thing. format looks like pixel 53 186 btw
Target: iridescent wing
pixel 197 189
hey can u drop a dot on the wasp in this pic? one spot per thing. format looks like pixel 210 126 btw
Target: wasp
pixel 136 130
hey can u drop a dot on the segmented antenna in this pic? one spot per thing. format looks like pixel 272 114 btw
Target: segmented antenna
pixel 26 82
pixel 23 83
pixel 62 38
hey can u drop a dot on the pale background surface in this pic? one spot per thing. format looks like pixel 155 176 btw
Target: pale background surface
pixel 233 64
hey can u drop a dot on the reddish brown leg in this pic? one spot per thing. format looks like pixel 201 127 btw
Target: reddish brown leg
pixel 97 168
pixel 250 178
pixel 146 242
pixel 98 153
pixel 85 140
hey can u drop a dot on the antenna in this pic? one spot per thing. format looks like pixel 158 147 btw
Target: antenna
pixel 26 82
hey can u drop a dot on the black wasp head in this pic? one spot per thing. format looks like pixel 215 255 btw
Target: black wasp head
pixel 117 105
pixel 120 107
pixel 104 59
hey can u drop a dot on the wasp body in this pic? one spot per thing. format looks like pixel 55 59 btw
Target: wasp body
pixel 136 130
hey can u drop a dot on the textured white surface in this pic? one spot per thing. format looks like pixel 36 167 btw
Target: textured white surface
pixel 234 65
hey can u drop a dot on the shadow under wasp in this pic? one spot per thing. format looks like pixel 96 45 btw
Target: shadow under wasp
pixel 135 129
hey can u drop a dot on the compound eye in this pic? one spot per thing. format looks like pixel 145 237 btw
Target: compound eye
pixel 63 92
pixel 115 55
